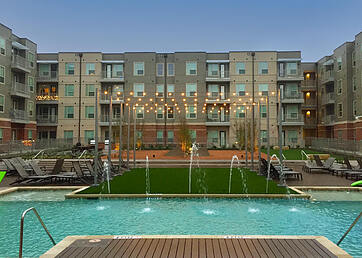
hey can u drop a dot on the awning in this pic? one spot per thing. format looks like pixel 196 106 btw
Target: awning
pixel 112 61
pixel 289 59
pixel 18 45
pixel 217 61
pixel 47 61
pixel 329 62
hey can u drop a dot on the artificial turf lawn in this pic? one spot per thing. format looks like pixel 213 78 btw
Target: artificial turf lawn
pixel 294 154
pixel 175 181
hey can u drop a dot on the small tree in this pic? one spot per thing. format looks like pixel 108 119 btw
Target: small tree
pixel 239 134
pixel 184 136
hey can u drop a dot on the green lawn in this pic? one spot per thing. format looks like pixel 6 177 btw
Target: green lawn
pixel 294 154
pixel 175 181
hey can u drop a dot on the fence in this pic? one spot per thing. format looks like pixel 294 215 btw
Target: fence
pixel 341 146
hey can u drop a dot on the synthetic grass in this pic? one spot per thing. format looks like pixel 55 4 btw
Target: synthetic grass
pixel 175 181
pixel 294 154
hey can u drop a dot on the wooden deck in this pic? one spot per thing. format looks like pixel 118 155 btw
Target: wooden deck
pixel 208 246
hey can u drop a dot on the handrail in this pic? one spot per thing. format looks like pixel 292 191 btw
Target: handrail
pixel 302 152
pixel 82 154
pixel 284 156
pixel 22 229
pixel 350 227
pixel 41 151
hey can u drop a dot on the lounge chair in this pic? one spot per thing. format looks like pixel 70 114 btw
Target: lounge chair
pixel 359 160
pixel 24 176
pixel 39 172
pixel 327 166
pixel 10 167
pixel 287 172
pixel 81 175
pixel 352 173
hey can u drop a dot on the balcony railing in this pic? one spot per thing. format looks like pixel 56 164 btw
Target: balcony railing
pixel 328 76
pixel 310 122
pixel 217 96
pixel 18 114
pixel 21 89
pixel 114 75
pixel 328 98
pixel 116 98
pixel 292 95
pixel 47 98
pixel 47 119
pixel 218 119
pixel 48 76
pixel 309 85
pixel 329 119
pixel 19 61
pixel 216 75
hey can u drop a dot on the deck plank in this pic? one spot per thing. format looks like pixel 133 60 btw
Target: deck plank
pixel 321 251
pixel 113 247
pixel 245 247
pixel 166 248
pixel 216 247
pixel 202 248
pixel 159 248
pixel 145 248
pixel 138 248
pixel 130 248
pixel 308 249
pixel 209 248
pixel 237 248
pixel 223 248
pixel 259 248
pixel 254 252
pixel 267 249
pixel 291 252
pixel 174 248
pixel 188 248
pixel 195 248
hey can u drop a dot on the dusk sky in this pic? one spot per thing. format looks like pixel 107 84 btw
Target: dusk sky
pixel 314 27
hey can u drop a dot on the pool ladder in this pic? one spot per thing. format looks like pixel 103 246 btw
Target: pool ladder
pixel 22 229
pixel 350 227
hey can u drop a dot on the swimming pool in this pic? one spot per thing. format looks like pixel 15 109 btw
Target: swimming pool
pixel 171 216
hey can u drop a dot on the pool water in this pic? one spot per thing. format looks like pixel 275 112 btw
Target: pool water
pixel 173 216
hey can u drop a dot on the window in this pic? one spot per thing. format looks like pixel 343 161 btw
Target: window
pixel 339 87
pixel 170 112
pixel 31 59
pixel 138 89
pixel 212 113
pixel 118 70
pixel 139 68
pixel 88 135
pixel 1 134
pixel 2 47
pixel 263 88
pixel 139 112
pixel 69 90
pixel 293 136
pixel 190 112
pixel 354 107
pixel 44 70
pixel 160 69
pixel 340 109
pixel 30 134
pixel 281 69
pixel 264 135
pixel 191 90
pixel 291 68
pixel 212 69
pixel 68 112
pixel 263 113
pixel 159 114
pixel 193 135
pixel 240 68
pixel 171 69
pixel 354 84
pixel 30 108
pixel 170 90
pixel 31 83
pixel 263 68
pixel 240 90
pixel 212 137
pixel 159 136
pixel 213 91
pixel 89 90
pixel 69 68
pixel 159 91
pixel 292 112
pixel 170 136
pixel 240 112
pixel 68 134
pixel 90 69
pixel 291 90
pixel 339 63
pixel 89 112
pixel 2 74
pixel 191 68
pixel 2 103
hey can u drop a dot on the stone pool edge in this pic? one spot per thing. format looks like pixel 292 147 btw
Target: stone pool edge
pixel 67 241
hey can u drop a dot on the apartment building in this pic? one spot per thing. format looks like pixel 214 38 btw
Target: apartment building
pixel 17 87
pixel 340 92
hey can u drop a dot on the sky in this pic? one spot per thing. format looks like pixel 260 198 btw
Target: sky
pixel 314 27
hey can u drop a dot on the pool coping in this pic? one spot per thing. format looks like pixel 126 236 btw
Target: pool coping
pixel 67 241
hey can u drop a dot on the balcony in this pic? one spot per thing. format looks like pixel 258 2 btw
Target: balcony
pixel 104 120
pixel 293 121
pixel 47 99
pixel 117 76
pixel 309 85
pixel 19 116
pixel 328 98
pixel 328 119
pixel 20 89
pixel 50 76
pixel 116 99
pixel 327 77
pixel 217 97
pixel 47 120
pixel 20 64
pixel 283 76
pixel 309 103
pixel 293 97
pixel 310 123
pixel 217 76
pixel 218 121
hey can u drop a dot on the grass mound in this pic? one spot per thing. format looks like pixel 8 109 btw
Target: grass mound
pixel 175 181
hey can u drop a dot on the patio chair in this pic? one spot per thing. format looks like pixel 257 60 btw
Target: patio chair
pixel 359 160
pixel 287 172
pixel 327 166
pixel 10 167
pixel 78 170
pixel 59 177
pixel 352 172
pixel 24 176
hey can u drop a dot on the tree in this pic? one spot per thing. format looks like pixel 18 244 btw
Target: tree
pixel 184 135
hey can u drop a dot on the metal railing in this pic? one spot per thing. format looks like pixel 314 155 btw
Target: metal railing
pixel 113 75
pixel 310 122
pixel 328 119
pixel 47 119
pixel 115 96
pixel 217 95
pixel 310 102
pixel 328 98
pixel 22 229
pixel 309 84
pixel 20 61
pixel 217 74
pixel 328 76
pixel 19 114
pixel 225 118
pixel 19 87
pixel 334 145
pixel 49 75
pixel 350 227
pixel 292 95
pixel 287 118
